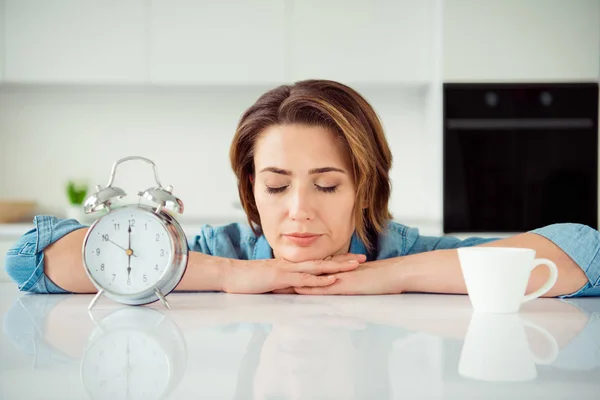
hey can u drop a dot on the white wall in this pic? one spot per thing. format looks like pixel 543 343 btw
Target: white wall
pixel 521 40
pixel 51 134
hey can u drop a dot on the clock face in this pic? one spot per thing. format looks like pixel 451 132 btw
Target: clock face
pixel 128 251
pixel 126 364
pixel 134 353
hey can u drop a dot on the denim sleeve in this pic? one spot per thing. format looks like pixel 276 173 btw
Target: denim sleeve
pixel 582 244
pixel 234 240
pixel 201 242
pixel 421 244
pixel 25 259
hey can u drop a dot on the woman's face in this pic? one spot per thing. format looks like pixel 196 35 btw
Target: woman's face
pixel 304 192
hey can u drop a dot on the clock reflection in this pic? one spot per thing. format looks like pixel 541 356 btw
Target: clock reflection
pixel 134 353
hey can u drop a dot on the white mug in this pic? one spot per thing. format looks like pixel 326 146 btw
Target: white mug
pixel 496 349
pixel 496 277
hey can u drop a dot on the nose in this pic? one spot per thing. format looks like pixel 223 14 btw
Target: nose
pixel 300 208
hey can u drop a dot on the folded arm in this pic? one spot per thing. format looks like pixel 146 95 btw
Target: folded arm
pixel 432 265
pixel 48 259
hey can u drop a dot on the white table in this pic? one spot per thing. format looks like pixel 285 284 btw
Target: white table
pixel 221 346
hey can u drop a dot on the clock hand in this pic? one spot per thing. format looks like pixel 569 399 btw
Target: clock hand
pixel 116 245
pixel 129 252
pixel 129 268
pixel 120 247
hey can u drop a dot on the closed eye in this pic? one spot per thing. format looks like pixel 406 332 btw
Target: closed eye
pixel 324 189
pixel 276 190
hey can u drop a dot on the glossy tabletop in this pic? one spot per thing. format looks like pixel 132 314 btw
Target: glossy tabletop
pixel 224 346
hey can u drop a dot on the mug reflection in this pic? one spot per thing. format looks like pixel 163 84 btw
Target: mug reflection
pixel 496 349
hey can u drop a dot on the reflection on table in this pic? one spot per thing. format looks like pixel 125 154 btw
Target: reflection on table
pixel 214 345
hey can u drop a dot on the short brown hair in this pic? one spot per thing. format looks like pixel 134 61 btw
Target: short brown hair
pixel 340 109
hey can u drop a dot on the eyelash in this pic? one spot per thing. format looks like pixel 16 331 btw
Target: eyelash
pixel 329 189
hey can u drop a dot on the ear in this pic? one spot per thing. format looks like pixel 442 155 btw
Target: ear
pixel 251 177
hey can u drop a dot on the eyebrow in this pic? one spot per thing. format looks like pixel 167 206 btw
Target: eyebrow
pixel 311 171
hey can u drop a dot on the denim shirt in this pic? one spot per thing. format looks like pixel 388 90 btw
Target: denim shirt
pixel 25 260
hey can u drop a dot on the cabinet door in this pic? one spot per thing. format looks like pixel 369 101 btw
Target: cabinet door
pixel 521 40
pixel 74 41
pixel 215 42
pixel 363 41
pixel 2 28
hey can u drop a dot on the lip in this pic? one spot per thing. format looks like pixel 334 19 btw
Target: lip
pixel 302 239
pixel 301 234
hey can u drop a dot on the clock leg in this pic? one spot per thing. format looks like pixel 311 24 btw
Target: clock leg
pixel 162 298
pixel 95 299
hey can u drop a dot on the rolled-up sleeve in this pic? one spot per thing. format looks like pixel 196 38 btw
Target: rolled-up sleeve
pixel 201 242
pixel 25 259
pixel 582 244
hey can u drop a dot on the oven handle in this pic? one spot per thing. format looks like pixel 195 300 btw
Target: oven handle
pixel 519 123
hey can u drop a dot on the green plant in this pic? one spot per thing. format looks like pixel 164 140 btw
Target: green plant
pixel 76 192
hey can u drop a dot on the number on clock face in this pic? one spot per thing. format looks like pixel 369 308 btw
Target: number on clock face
pixel 128 250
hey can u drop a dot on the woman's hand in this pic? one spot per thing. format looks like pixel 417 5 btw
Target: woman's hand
pixel 281 276
pixel 376 277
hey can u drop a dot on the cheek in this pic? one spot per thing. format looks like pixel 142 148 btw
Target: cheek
pixel 337 207
pixel 268 209
pixel 264 201
pixel 338 215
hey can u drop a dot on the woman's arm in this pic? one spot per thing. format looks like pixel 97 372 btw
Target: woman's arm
pixel 572 247
pixel 63 264
pixel 439 271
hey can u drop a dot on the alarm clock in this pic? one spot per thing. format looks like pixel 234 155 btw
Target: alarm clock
pixel 134 353
pixel 135 254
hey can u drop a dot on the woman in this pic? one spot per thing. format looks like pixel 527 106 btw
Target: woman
pixel 312 165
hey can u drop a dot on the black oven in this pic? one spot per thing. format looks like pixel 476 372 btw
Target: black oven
pixel 519 156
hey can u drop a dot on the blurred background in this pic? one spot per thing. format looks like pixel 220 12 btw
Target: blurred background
pixel 490 107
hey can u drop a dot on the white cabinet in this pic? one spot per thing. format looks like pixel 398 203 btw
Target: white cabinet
pixel 215 42
pixel 75 41
pixel 184 42
pixel 521 40
pixel 2 25
pixel 381 41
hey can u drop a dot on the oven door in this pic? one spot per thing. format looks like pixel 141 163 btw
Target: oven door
pixel 518 175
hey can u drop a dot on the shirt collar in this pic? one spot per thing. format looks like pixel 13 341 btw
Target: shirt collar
pixel 263 251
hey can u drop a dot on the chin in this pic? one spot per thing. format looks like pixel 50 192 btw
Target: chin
pixel 301 254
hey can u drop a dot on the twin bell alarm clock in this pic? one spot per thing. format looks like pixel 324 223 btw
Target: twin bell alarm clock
pixel 135 254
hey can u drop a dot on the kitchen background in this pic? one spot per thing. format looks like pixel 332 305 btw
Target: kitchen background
pixel 84 83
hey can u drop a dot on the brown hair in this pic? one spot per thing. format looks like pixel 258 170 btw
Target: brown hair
pixel 340 109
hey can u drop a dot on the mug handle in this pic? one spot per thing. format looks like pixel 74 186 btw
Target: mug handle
pixel 549 283
pixel 549 338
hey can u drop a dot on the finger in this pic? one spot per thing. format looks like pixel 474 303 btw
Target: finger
pixel 333 267
pixel 347 257
pixel 336 289
pixel 289 290
pixel 303 279
pixel 321 267
pixel 331 289
pixel 344 285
